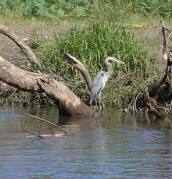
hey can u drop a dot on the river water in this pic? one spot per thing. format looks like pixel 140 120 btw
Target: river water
pixel 116 147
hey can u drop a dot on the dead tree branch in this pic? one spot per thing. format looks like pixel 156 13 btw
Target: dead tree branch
pixel 167 54
pixel 20 43
pixel 164 40
pixel 80 67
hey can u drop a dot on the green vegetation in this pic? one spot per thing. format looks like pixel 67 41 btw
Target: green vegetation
pixel 42 8
pixel 63 8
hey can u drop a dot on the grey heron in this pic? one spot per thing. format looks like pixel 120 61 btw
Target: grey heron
pixel 102 77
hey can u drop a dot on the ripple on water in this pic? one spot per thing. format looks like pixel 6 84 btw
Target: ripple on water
pixel 102 151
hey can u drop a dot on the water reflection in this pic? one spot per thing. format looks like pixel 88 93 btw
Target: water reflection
pixel 115 147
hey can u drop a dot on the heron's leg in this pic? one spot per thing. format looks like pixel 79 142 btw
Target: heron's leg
pixel 99 101
pixel 96 103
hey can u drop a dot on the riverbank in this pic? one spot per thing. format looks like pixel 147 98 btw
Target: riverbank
pixel 135 40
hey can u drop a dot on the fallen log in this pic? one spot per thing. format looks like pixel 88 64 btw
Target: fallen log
pixel 38 82
pixel 155 112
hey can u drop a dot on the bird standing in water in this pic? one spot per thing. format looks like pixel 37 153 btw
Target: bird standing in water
pixel 100 80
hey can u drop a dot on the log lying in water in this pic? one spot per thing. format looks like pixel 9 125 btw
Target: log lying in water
pixel 38 82
pixel 155 112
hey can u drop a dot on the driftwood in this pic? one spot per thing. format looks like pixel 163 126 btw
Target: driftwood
pixel 38 82
pixel 155 112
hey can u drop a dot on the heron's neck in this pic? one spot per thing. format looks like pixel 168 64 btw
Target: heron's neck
pixel 109 68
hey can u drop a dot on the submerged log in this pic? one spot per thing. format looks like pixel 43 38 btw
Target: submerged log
pixel 155 112
pixel 38 82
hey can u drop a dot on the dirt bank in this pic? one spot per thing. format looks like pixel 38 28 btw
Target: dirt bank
pixel 11 52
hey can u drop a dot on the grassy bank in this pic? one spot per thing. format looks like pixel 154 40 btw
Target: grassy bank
pixel 101 29
pixel 91 45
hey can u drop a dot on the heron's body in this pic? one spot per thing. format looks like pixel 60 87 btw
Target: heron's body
pixel 101 79
pixel 98 85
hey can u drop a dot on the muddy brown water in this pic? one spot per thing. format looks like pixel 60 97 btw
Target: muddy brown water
pixel 116 147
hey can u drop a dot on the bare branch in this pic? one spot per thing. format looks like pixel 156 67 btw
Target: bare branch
pixel 20 43
pixel 80 67
pixel 167 55
pixel 164 40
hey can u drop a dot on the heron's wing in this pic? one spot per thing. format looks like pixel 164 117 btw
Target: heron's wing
pixel 98 77
pixel 98 85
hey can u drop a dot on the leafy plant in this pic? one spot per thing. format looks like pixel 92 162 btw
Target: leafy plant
pixel 35 8
pixel 42 8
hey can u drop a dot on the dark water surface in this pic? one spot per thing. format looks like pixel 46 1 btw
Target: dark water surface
pixel 116 147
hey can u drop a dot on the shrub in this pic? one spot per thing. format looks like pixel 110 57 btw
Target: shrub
pixel 79 8
pixel 35 8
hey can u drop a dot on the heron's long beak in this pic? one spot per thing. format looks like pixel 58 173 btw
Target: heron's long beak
pixel 118 61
